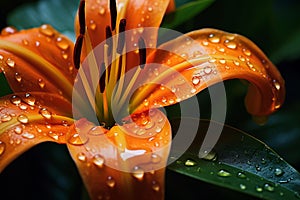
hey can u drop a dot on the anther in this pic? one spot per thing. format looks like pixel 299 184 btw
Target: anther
pixel 108 40
pixel 77 51
pixel 121 39
pixel 102 77
pixel 113 14
pixel 142 52
pixel 81 15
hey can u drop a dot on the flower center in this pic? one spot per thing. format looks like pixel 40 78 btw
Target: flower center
pixel 113 90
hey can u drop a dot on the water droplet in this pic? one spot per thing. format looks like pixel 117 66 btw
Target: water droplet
pixel 268 187
pixel 53 135
pixel 96 130
pixel 23 119
pixel 258 189
pixel 230 44
pixel 37 43
pixel 155 158
pixel 23 106
pixel 241 175
pixel 8 30
pixel 213 38
pixel 18 77
pixel 207 70
pixel 18 130
pixel 15 99
pixel 276 85
pixel 101 10
pixel 155 186
pixel 243 187
pixel 29 99
pixel 247 52
pixel 222 61
pixel 211 156
pixel 5 118
pixel 62 43
pixel 223 173
pixel 138 173
pixel 242 58
pixel 81 156
pixel 41 83
pixel 196 80
pixel 205 43
pixel 28 135
pixel 278 172
pixel 10 62
pixel 237 63
pixel 190 163
pixel 150 9
pixel 93 25
pixel 2 147
pixel 45 113
pixel 98 160
pixel 77 139
pixel 46 30
pixel 110 182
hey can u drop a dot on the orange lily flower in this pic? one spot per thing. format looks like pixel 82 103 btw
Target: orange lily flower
pixel 124 157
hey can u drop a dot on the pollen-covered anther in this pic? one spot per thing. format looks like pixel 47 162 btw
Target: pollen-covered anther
pixel 142 52
pixel 121 38
pixel 113 14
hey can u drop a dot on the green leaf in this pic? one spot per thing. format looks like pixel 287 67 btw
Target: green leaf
pixel 239 162
pixel 185 13
pixel 5 89
pixel 59 13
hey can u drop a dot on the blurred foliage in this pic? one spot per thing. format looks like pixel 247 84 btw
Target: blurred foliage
pixel 47 170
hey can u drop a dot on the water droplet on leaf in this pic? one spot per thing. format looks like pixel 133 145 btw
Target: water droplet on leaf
pixel 223 173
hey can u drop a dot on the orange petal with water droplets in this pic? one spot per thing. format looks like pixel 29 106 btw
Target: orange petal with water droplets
pixel 202 58
pixel 125 162
pixel 27 120
pixel 38 59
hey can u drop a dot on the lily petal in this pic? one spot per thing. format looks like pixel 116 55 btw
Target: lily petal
pixel 125 162
pixel 202 58
pixel 38 59
pixel 27 120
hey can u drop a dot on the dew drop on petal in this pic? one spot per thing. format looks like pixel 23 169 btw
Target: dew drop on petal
pixel 45 113
pixel 247 52
pixel 110 182
pixel 62 43
pixel 53 135
pixel 196 80
pixel 101 10
pixel 223 173
pixel 155 186
pixel 92 25
pixel 46 30
pixel 15 99
pixel 23 119
pixel 28 135
pixel 213 38
pixel 77 139
pixel 98 160
pixel 138 173
pixel 155 158
pixel 2 148
pixel 11 63
pixel 230 44
pixel 29 99
pixel 5 118
pixel 41 83
pixel 276 84
pixel 18 77
pixel 81 157
pixel 18 130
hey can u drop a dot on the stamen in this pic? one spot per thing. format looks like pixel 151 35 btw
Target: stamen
pixel 121 39
pixel 77 51
pixel 108 40
pixel 102 77
pixel 113 14
pixel 142 52
pixel 81 15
